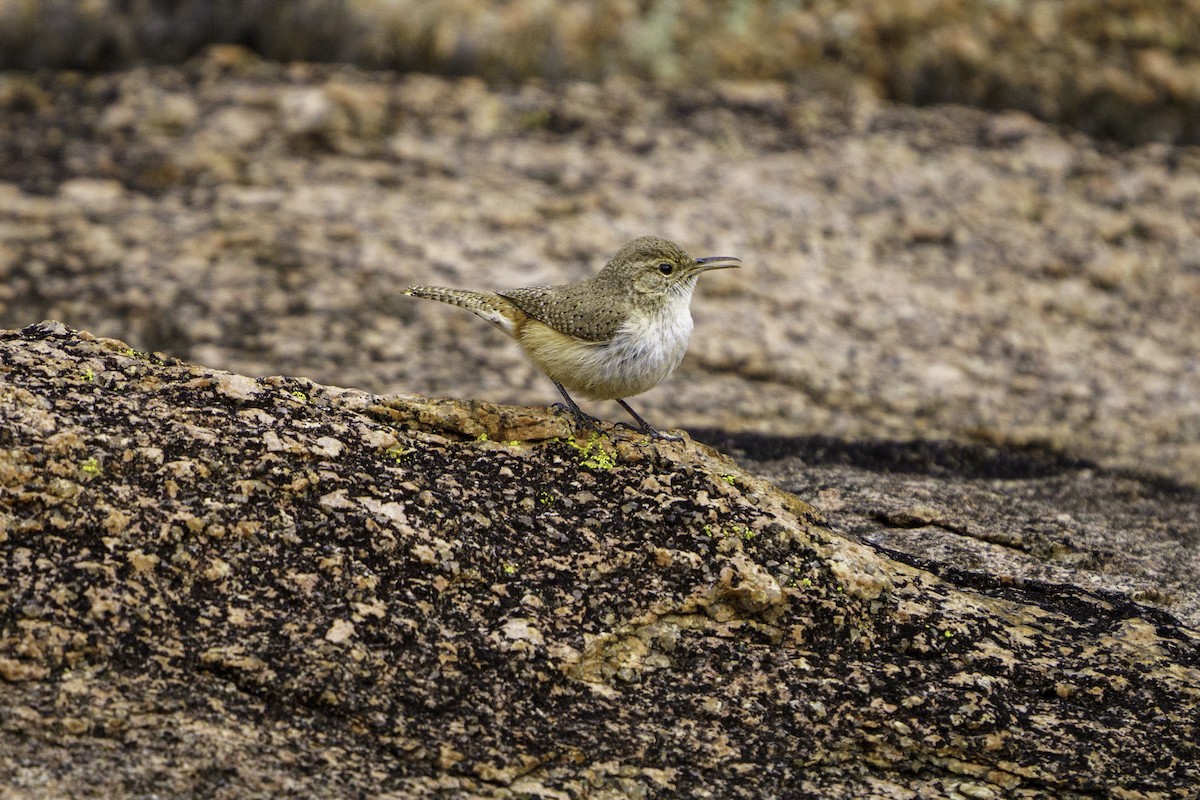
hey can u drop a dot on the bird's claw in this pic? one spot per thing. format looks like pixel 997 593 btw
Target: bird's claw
pixel 649 431
pixel 582 420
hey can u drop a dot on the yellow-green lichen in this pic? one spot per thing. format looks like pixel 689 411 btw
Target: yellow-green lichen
pixel 592 454
pixel 743 532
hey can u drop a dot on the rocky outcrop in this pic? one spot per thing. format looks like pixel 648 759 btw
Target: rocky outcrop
pixel 214 585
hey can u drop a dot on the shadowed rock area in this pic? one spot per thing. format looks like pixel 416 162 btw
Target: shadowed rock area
pixel 221 586
pixel 993 512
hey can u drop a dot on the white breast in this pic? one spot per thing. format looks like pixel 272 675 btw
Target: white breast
pixel 642 353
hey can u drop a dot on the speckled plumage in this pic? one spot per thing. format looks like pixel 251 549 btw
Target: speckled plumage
pixel 575 309
pixel 489 305
pixel 595 308
pixel 612 336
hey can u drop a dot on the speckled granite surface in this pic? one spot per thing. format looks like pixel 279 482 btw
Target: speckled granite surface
pixel 220 586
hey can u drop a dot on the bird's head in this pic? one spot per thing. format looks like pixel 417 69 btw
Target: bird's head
pixel 656 268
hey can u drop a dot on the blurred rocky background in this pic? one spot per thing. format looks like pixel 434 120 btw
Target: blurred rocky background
pixel 246 185
pixel 1125 69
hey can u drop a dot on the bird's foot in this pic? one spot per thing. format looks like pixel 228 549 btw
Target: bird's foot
pixel 583 420
pixel 649 431
pixel 645 427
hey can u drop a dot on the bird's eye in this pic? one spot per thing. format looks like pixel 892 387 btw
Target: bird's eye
pixel 665 268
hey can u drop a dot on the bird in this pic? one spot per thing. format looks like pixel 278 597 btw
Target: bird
pixel 609 337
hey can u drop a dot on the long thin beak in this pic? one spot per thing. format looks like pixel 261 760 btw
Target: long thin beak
pixel 716 262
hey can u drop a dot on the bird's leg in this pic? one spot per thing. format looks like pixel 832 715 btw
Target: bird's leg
pixel 645 426
pixel 582 419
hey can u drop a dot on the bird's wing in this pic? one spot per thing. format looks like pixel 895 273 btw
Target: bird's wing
pixel 575 310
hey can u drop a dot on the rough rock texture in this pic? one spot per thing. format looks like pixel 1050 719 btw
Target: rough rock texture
pixel 990 511
pixel 221 586
pixel 1128 69
pixel 938 273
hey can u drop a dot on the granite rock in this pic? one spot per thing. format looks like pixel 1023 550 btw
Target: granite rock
pixel 224 586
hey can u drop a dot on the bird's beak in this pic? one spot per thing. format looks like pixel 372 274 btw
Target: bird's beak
pixel 716 262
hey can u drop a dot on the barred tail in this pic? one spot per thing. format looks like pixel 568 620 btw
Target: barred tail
pixel 492 307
